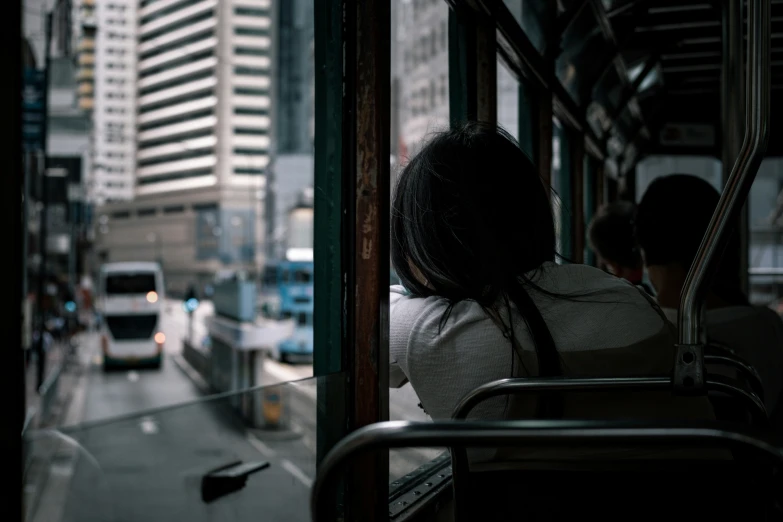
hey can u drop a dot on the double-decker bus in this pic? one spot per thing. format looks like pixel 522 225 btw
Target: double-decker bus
pixel 287 293
pixel 131 297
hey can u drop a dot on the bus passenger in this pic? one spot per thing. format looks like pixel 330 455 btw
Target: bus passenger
pixel 671 221
pixel 482 298
pixel 611 236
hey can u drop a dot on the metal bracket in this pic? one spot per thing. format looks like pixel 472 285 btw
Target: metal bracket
pixel 438 476
pixel 228 479
pixel 689 370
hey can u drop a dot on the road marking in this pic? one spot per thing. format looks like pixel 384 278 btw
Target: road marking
pixel 262 448
pixel 133 376
pixel 148 426
pixel 286 464
pixel 298 474
pixel 61 470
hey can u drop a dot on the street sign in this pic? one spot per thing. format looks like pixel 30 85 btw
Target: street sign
pixel 33 118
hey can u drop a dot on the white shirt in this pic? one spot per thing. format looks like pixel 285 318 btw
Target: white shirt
pixel 607 327
pixel 755 333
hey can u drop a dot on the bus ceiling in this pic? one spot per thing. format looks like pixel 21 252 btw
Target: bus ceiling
pixel 637 77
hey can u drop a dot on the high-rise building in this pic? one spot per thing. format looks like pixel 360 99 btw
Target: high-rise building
pixel 420 75
pixel 203 79
pixel 294 116
pixel 204 94
pixel 423 72
pixel 114 99
pixel 85 53
pixel 294 103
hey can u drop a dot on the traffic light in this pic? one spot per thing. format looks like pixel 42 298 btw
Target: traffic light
pixel 191 300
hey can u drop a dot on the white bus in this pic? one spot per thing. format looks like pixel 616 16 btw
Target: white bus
pixel 131 306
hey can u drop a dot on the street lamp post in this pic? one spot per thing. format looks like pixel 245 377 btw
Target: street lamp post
pixel 154 237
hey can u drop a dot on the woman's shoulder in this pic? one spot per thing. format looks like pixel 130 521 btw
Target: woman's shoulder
pixel 409 312
pixel 585 302
pixel 576 279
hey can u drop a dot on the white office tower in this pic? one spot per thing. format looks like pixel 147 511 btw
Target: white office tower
pixel 203 94
pixel 114 101
pixel 202 132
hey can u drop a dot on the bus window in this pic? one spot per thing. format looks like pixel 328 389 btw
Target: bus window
pixel 284 277
pixel 302 319
pixel 130 283
pixel 302 276
pixel 270 276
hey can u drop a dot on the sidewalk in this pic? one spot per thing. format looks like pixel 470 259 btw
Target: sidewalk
pixel 42 403
pixel 61 403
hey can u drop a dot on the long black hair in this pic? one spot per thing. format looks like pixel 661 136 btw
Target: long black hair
pixel 471 219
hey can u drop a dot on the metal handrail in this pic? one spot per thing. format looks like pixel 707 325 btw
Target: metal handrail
pixel 515 386
pixel 492 434
pixel 742 174
pixel 520 385
pixel 745 370
pixel 754 405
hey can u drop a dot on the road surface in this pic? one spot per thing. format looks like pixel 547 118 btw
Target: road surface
pixel 149 466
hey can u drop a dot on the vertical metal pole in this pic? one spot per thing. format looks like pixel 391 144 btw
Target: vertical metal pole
pixel 733 114
pixel 689 365
pixel 43 216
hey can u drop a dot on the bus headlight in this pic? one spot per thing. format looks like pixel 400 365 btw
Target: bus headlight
pixel 152 297
pixel 160 338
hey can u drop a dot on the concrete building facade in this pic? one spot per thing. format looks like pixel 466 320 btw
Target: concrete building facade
pixel 114 101
pixel 203 140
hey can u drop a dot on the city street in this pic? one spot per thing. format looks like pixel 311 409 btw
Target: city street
pixel 149 466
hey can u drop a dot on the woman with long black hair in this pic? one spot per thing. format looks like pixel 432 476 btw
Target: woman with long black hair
pixel 483 298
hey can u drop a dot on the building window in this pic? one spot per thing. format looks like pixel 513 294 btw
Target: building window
pixel 249 131
pixel 250 71
pixel 251 31
pixel 250 51
pixel 250 91
pixel 250 11
pixel 248 171
pixel 251 111
pixel 250 152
